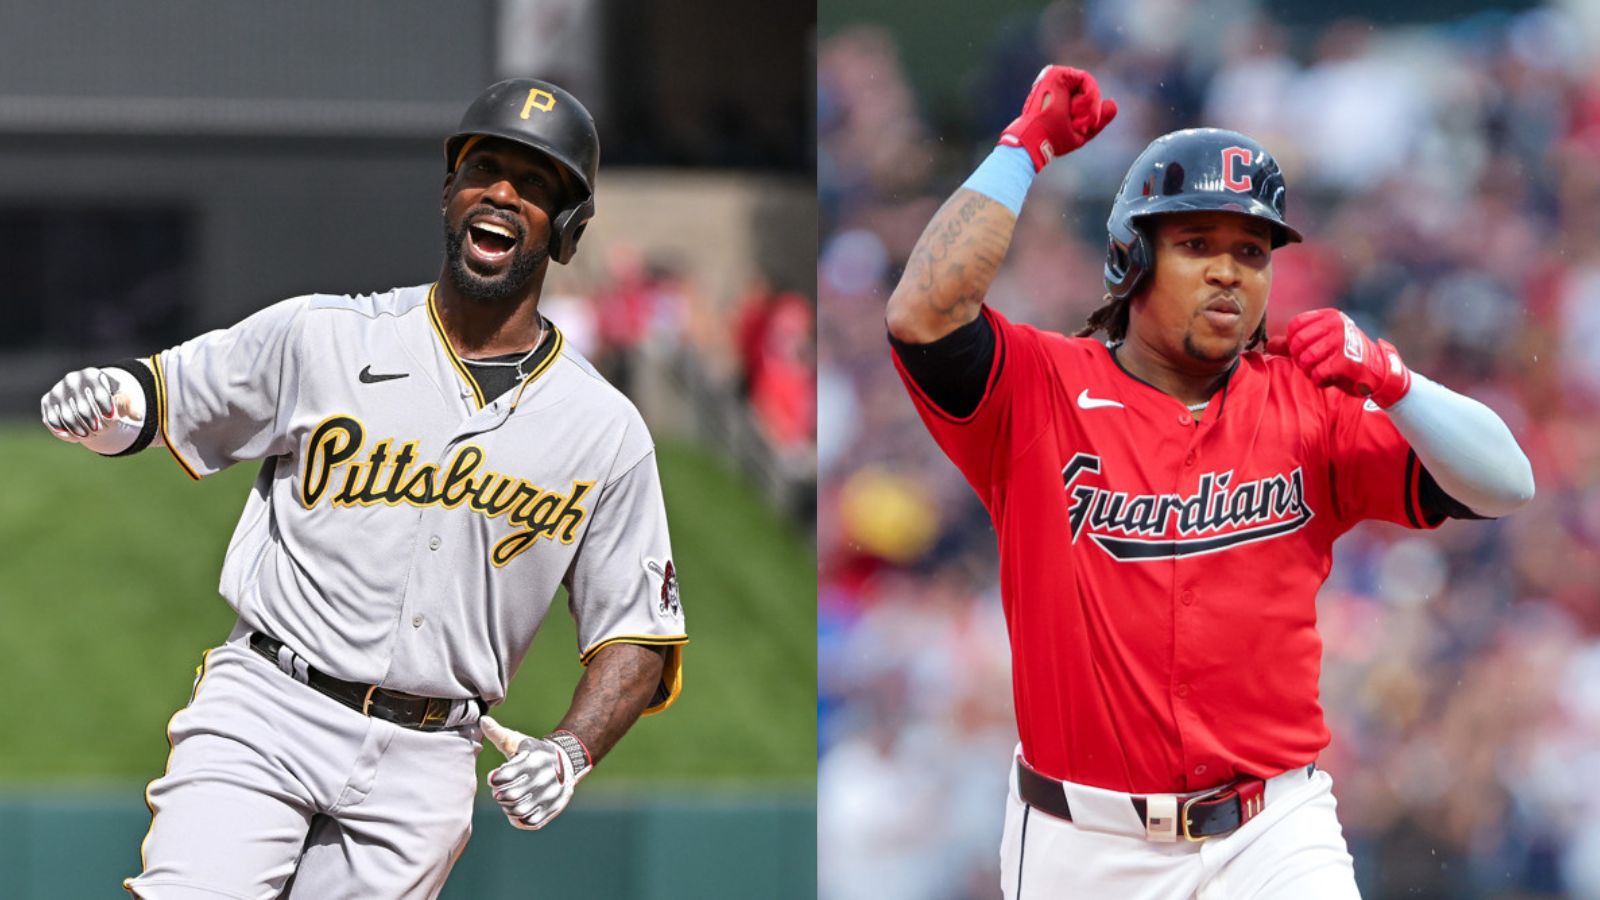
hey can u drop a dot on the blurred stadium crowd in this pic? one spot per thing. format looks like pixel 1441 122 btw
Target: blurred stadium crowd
pixel 744 364
pixel 1447 177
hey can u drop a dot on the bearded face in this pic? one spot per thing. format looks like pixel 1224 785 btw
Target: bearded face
pixel 498 207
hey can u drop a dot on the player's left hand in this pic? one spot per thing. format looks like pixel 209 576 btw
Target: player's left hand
pixel 1333 352
pixel 537 780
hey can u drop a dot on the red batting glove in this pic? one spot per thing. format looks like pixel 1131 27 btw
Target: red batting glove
pixel 1064 111
pixel 1333 352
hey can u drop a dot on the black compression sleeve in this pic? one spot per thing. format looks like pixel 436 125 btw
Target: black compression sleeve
pixel 953 371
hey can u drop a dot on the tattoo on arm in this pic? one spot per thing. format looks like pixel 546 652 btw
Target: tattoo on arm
pixel 614 690
pixel 952 265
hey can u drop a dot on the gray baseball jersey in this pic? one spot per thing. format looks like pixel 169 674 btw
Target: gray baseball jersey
pixel 405 531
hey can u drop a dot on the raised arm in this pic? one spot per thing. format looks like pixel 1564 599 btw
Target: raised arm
pixel 950 268
pixel 956 258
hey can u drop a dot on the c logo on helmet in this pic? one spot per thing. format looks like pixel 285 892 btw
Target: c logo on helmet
pixel 543 101
pixel 1239 156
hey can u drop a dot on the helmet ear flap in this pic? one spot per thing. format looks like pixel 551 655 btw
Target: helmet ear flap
pixel 567 227
pixel 1128 258
pixel 1116 262
pixel 1143 256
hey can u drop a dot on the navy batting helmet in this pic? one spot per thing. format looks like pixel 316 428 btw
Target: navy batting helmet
pixel 540 115
pixel 1194 169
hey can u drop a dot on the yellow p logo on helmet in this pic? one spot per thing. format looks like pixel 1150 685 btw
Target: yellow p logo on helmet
pixel 542 100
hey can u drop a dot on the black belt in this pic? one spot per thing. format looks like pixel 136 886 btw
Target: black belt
pixel 405 710
pixel 1201 815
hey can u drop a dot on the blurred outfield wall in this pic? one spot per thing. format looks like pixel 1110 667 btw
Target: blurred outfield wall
pixel 71 844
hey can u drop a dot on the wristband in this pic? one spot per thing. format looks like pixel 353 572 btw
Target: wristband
pixel 140 373
pixel 1004 177
pixel 571 745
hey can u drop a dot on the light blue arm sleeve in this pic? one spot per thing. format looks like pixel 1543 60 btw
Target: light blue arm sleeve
pixel 1466 447
pixel 1004 177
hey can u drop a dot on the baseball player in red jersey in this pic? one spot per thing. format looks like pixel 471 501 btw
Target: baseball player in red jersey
pixel 1166 504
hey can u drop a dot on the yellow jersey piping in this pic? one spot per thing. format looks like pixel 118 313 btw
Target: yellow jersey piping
pixel 671 672
pixel 438 329
pixel 544 364
pixel 645 639
pixel 161 416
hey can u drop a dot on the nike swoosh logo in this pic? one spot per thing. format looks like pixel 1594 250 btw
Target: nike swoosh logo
pixel 367 377
pixel 1087 402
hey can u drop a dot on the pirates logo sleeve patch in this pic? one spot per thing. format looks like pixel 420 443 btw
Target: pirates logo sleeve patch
pixel 669 604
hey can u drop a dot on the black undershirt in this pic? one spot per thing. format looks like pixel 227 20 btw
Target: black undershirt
pixel 496 380
pixel 953 372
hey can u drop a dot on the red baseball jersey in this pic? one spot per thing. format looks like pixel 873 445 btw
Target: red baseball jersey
pixel 1159 574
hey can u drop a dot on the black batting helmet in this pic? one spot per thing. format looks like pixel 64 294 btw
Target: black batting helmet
pixel 1194 169
pixel 540 115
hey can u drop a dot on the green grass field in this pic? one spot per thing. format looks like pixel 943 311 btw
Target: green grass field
pixel 108 597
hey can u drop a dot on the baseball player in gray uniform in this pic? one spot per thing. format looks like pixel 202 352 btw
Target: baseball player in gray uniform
pixel 435 463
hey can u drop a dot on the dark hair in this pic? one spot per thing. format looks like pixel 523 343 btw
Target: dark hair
pixel 1112 317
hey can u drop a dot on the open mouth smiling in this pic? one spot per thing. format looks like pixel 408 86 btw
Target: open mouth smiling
pixel 490 240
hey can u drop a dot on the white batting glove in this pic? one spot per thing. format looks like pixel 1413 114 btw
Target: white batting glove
pixel 538 778
pixel 103 409
pixel 80 404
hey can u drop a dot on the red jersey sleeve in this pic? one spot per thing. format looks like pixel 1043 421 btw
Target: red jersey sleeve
pixel 1014 408
pixel 1376 474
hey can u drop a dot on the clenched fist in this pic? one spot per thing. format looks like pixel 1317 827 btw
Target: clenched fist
pixel 102 409
pixel 1333 352
pixel 79 404
pixel 1063 112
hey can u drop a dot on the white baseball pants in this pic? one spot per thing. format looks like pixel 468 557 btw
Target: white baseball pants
pixel 270 780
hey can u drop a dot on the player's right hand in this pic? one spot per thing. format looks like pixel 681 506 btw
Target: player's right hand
pixel 79 405
pixel 1063 112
